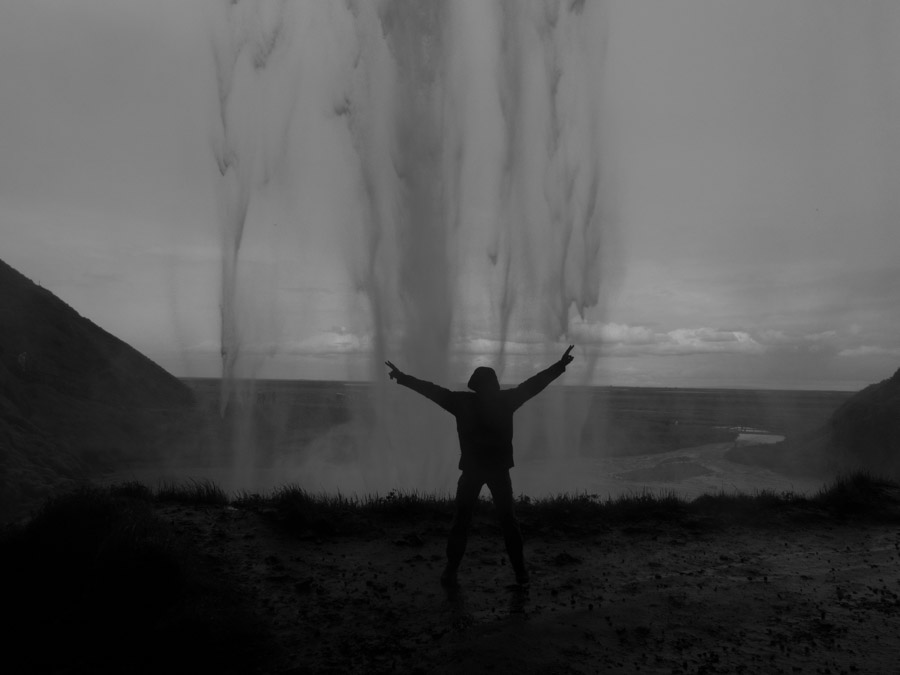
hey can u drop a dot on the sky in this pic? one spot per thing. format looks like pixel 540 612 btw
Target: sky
pixel 751 152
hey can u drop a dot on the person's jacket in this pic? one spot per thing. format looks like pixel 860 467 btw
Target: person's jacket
pixel 484 421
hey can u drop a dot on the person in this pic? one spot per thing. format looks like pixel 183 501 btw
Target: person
pixel 484 424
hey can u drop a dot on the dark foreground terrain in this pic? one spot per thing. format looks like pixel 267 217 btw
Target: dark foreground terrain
pixel 126 579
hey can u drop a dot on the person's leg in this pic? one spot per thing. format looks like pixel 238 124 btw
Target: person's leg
pixel 501 491
pixel 467 490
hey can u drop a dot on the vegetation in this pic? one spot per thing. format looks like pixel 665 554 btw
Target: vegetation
pixel 192 492
pixel 96 582
pixel 860 493
pixel 852 495
pixel 304 513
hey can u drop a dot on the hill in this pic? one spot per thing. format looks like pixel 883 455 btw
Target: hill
pixel 74 399
pixel 862 433
pixel 866 429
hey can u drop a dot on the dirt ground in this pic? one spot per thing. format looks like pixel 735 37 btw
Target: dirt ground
pixel 802 597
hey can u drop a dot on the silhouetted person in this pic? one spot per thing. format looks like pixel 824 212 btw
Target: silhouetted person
pixel 484 424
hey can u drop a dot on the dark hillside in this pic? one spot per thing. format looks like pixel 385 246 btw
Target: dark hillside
pixel 866 429
pixel 862 433
pixel 73 398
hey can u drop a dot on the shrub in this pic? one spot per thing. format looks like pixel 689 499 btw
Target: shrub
pixel 108 588
pixel 858 493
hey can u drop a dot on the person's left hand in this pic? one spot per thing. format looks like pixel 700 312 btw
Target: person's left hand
pixel 395 371
pixel 567 358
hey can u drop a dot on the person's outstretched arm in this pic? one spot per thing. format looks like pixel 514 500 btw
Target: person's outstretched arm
pixel 537 383
pixel 443 397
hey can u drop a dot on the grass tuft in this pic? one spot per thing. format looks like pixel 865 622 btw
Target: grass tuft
pixel 192 492
pixel 398 503
pixel 646 506
pixel 132 490
pixel 327 514
pixel 858 493
pixel 322 514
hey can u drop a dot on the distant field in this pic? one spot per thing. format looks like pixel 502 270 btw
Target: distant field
pixel 777 411
pixel 635 420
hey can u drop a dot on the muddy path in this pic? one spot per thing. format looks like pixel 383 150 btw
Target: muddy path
pixel 804 597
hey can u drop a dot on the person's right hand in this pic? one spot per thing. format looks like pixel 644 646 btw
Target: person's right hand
pixel 395 371
pixel 567 358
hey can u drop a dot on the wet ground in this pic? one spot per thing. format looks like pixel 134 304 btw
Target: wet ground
pixel 807 595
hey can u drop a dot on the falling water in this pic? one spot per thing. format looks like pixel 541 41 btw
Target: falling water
pixel 478 191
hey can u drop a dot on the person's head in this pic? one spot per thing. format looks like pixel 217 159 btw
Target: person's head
pixel 484 379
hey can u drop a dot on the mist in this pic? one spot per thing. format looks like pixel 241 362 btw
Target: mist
pixel 473 198
pixel 695 194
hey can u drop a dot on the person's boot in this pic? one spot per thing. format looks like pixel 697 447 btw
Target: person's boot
pixel 522 576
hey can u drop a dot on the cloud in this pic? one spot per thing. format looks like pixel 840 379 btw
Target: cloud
pixel 770 336
pixel 775 340
pixel 611 333
pixel 614 340
pixel 621 339
pixel 870 350
pixel 338 340
pixel 481 345
pixel 709 340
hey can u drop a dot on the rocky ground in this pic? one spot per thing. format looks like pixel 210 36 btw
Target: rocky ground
pixel 806 594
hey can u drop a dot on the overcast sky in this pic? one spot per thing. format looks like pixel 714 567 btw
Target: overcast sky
pixel 756 163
